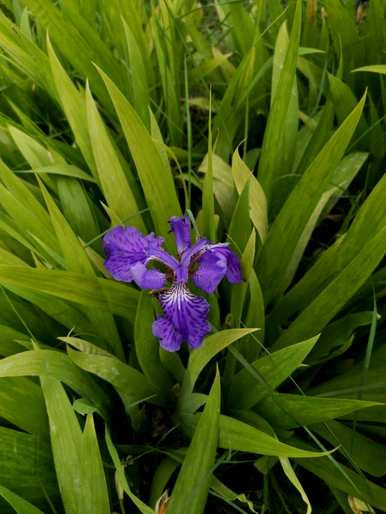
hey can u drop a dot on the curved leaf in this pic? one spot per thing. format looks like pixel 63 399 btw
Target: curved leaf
pixel 57 365
pixel 212 345
pixel 130 384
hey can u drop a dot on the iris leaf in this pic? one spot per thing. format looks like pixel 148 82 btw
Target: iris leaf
pixel 194 479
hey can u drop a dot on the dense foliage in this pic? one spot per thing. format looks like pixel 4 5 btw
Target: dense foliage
pixel 264 122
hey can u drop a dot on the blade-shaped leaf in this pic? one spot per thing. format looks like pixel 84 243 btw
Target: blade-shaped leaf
pixel 75 287
pixel 350 482
pixel 273 163
pixel 76 455
pixel 293 226
pixel 121 477
pixel 155 177
pixel 26 466
pixel 19 391
pixel 20 505
pixel 212 345
pixel 266 374
pixel 291 410
pixel 130 384
pixel 257 200
pixel 54 364
pixel 193 482
pixel 337 257
pixel 370 455
pixel 109 166
pixel 325 306
pixel 236 435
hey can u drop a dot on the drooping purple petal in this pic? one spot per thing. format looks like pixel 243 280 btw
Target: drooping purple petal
pixel 180 226
pixel 170 338
pixel 118 266
pixel 128 251
pixel 147 278
pixel 185 318
pixel 215 262
pixel 131 242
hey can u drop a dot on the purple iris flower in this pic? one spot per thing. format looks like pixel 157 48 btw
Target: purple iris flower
pixel 134 257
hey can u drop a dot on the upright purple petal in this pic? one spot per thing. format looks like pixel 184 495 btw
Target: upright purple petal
pixel 234 275
pixel 185 318
pixel 212 267
pixel 128 251
pixel 216 262
pixel 188 257
pixel 165 258
pixel 180 226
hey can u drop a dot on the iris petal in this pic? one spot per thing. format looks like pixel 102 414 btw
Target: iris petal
pixel 233 274
pixel 185 318
pixel 117 265
pixel 212 268
pixel 131 242
pixel 147 278
pixel 180 226
pixel 170 338
pixel 182 272
pixel 216 262
pixel 128 251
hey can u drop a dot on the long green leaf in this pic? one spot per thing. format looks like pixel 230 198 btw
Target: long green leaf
pixel 77 260
pixel 78 50
pixel 291 410
pixel 77 460
pixel 155 177
pixel 25 54
pixel 121 477
pixel 73 106
pixel 236 435
pixel 291 475
pixel 272 162
pixel 265 374
pixel 193 482
pixel 75 287
pixel 370 455
pixel 96 495
pixel 223 187
pixel 375 68
pixel 56 365
pixel 212 345
pixel 338 256
pixel 257 200
pixel 292 228
pixel 109 166
pixel 19 391
pixel 329 302
pixel 350 482
pixel 26 466
pixel 20 505
pixel 130 384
